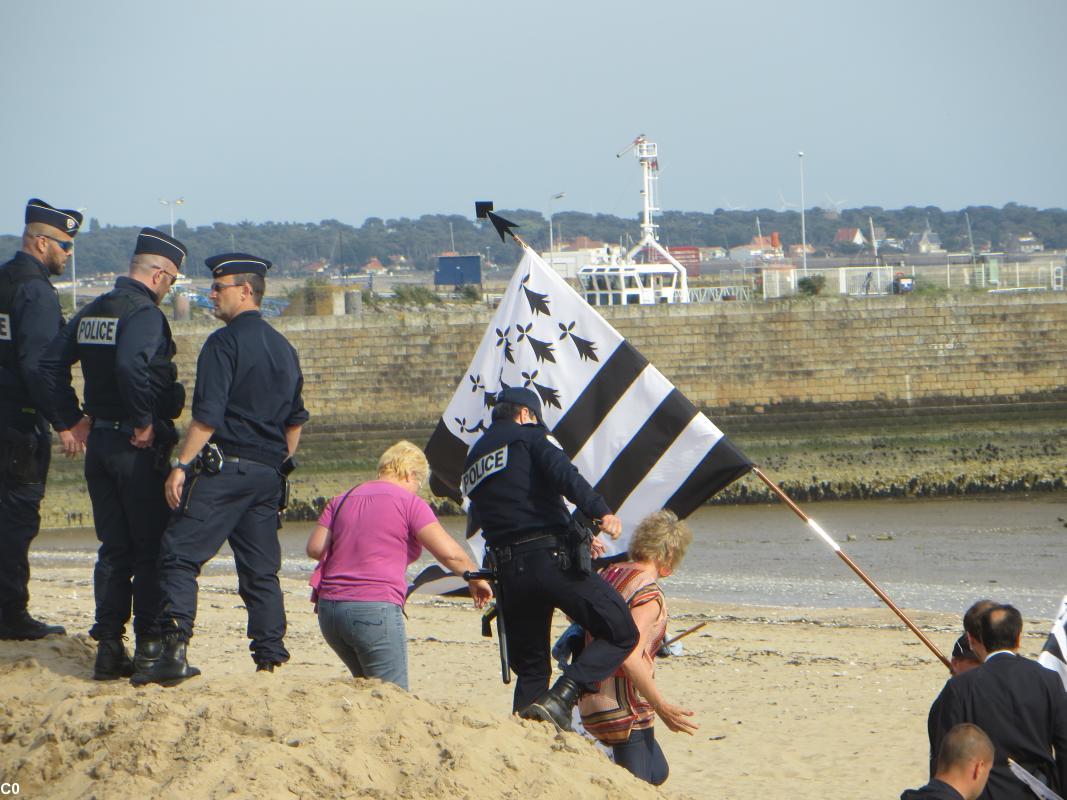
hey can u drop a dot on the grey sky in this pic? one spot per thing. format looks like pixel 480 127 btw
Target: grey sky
pixel 321 109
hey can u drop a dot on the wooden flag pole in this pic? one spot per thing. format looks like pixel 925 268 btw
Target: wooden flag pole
pixel 685 633
pixel 852 564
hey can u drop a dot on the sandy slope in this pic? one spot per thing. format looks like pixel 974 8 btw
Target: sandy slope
pixel 792 703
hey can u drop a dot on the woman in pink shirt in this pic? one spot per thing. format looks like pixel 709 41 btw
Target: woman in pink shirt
pixel 364 542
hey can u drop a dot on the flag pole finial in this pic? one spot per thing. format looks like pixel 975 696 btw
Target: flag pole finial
pixel 483 209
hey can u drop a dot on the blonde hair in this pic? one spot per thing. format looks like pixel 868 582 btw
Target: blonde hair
pixel 402 460
pixel 661 538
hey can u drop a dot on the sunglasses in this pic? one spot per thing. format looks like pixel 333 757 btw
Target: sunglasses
pixel 218 287
pixel 64 245
pixel 173 276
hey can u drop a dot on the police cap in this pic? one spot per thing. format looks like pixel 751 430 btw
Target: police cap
pixel 521 397
pixel 156 243
pixel 962 649
pixel 237 264
pixel 64 219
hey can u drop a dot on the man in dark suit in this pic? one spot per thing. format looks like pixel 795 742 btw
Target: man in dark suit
pixel 963 764
pixel 1017 702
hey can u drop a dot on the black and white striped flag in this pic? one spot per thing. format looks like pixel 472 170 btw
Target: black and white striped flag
pixel 630 432
pixel 1054 653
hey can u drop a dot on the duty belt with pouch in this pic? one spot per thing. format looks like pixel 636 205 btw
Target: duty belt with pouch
pixel 166 439
pixel 20 456
pixel 580 534
pixel 285 470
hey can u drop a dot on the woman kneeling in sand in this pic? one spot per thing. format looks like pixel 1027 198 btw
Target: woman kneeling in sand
pixel 621 714
pixel 364 542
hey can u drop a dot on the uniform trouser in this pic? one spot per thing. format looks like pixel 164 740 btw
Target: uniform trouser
pixel 131 513
pixel 238 505
pixel 20 521
pixel 532 585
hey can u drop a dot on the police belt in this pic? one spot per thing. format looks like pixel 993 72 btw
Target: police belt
pixel 240 460
pixel 543 539
pixel 122 426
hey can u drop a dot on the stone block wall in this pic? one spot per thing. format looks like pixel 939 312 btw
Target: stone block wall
pixel 400 368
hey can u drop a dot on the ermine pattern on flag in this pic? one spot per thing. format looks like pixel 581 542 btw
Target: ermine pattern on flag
pixel 630 432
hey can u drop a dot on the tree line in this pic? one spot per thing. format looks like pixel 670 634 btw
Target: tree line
pixel 293 246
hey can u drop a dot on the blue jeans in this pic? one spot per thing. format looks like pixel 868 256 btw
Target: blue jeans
pixel 369 638
pixel 641 755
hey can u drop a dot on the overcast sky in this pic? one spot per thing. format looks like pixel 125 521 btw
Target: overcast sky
pixel 320 109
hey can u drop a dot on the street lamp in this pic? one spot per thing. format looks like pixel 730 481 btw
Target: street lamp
pixel 803 229
pixel 170 204
pixel 74 271
pixel 551 243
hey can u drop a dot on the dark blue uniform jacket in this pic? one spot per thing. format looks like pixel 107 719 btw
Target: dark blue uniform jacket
pixel 28 322
pixel 248 388
pixel 514 476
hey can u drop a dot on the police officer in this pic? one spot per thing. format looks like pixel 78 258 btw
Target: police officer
pixel 515 476
pixel 247 415
pixel 132 395
pixel 30 318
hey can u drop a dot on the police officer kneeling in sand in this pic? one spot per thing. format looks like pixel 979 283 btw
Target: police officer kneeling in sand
pixel 30 317
pixel 228 479
pixel 132 395
pixel 515 476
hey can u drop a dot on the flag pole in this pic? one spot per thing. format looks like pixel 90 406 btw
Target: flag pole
pixel 852 564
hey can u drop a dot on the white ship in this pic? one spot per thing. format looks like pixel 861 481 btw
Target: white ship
pixel 617 279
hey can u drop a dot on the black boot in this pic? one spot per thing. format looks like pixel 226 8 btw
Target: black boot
pixel 146 653
pixel 555 705
pixel 16 623
pixel 172 667
pixel 112 660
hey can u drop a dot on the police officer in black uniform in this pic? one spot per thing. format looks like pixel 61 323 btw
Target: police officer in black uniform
pixel 515 476
pixel 227 480
pixel 30 318
pixel 132 395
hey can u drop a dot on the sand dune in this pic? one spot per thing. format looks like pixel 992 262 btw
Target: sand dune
pixel 792 703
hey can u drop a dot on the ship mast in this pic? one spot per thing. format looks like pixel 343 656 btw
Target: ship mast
pixel 646 153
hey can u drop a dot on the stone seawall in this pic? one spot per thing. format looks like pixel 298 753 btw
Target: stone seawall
pixel 400 368
pixel 834 398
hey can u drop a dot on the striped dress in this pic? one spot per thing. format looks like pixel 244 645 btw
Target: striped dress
pixel 616 708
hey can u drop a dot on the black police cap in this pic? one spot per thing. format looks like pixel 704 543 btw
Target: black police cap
pixel 237 264
pixel 156 243
pixel 521 397
pixel 962 649
pixel 65 219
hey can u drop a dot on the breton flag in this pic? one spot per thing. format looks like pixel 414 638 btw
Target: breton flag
pixel 1054 653
pixel 637 439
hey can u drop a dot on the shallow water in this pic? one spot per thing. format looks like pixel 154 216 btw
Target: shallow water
pixel 938 555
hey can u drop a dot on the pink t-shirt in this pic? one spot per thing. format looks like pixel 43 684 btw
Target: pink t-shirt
pixel 372 543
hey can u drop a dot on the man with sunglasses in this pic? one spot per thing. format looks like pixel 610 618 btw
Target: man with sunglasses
pixel 248 411
pixel 132 396
pixel 30 317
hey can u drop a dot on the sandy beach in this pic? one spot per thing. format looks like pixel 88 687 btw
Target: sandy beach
pixel 799 703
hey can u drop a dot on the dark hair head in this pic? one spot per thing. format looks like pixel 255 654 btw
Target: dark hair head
pixel 962 745
pixel 1002 625
pixel 973 615
pixel 257 283
pixel 506 410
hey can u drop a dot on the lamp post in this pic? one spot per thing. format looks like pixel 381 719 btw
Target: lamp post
pixel 74 271
pixel 170 204
pixel 551 242
pixel 803 229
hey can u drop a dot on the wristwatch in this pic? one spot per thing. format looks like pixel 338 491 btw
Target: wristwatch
pixel 176 463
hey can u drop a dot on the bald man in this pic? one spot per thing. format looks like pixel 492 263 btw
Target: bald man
pixel 963 765
pixel 1017 702
pixel 30 318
